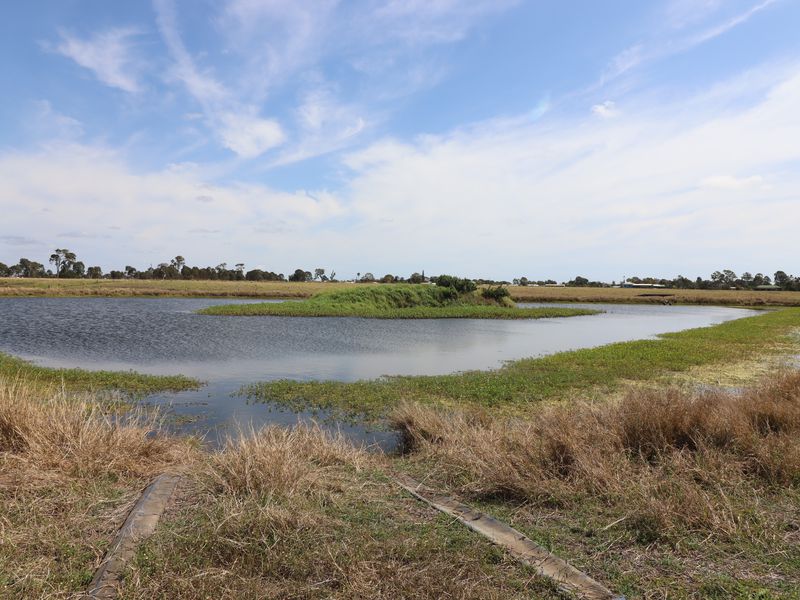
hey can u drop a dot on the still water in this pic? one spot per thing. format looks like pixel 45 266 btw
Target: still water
pixel 165 336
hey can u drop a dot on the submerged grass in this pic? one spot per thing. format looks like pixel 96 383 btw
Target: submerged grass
pixel 520 383
pixel 402 301
pixel 81 379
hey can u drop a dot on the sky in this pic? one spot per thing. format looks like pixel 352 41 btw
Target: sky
pixel 484 138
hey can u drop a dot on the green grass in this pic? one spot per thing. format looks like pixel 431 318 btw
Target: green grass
pixel 537 379
pixel 394 302
pixel 80 379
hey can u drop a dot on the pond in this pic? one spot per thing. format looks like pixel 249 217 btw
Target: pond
pixel 165 336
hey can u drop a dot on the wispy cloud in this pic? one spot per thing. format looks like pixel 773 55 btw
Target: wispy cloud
pixel 238 126
pixel 606 110
pixel 108 54
pixel 50 124
pixel 665 44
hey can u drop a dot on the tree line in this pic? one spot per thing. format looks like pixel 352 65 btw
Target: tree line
pixel 718 280
pixel 65 264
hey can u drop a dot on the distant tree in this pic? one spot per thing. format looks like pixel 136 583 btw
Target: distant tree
pixel 388 278
pixel 319 273
pixel 579 282
pixel 130 271
pixel 5 270
pixel 116 274
pixel 416 278
pixel 63 260
pixel 300 275
pixel 332 276
pixel 367 278
pixel 94 272
pixel 27 268
pixel 178 263
pixel 78 269
pixel 781 279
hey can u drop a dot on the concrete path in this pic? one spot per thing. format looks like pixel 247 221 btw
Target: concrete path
pixel 565 576
pixel 140 524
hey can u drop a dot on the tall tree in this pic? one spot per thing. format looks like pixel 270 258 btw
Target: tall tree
pixel 62 259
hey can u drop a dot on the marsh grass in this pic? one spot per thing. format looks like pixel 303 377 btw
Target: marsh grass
pixel 520 384
pixel 130 382
pixel 403 301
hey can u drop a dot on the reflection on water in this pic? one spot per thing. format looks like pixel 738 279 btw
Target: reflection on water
pixel 164 336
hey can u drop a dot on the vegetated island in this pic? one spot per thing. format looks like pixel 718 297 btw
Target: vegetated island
pixel 454 298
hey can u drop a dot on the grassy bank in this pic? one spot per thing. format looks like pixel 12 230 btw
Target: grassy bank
pixel 274 514
pixel 395 302
pixel 520 383
pixel 664 493
pixel 80 379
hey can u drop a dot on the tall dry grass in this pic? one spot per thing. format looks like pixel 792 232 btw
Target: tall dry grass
pixel 672 460
pixel 281 463
pixel 77 435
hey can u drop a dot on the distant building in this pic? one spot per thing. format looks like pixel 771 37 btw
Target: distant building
pixel 628 284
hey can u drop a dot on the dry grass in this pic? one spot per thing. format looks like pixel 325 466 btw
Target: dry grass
pixel 150 287
pixel 69 471
pixel 676 461
pixel 74 434
pixel 300 513
pixel 663 493
pixel 654 296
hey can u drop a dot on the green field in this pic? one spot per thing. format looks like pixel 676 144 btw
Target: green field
pixel 401 301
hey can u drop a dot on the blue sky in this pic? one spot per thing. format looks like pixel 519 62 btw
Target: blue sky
pixel 489 138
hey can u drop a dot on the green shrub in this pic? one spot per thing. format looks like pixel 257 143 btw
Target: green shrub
pixel 496 293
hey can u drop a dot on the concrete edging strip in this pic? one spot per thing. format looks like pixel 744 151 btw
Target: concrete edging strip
pixel 140 524
pixel 565 576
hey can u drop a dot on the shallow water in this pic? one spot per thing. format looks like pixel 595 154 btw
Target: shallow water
pixel 164 336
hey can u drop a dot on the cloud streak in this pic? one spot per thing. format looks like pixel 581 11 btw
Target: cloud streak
pixel 108 54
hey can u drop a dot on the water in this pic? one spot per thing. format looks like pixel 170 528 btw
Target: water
pixel 165 336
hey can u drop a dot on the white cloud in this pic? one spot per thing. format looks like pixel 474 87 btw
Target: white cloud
pixel 606 110
pixel 91 193
pixel 108 54
pixel 729 182
pixel 250 136
pixel 592 197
